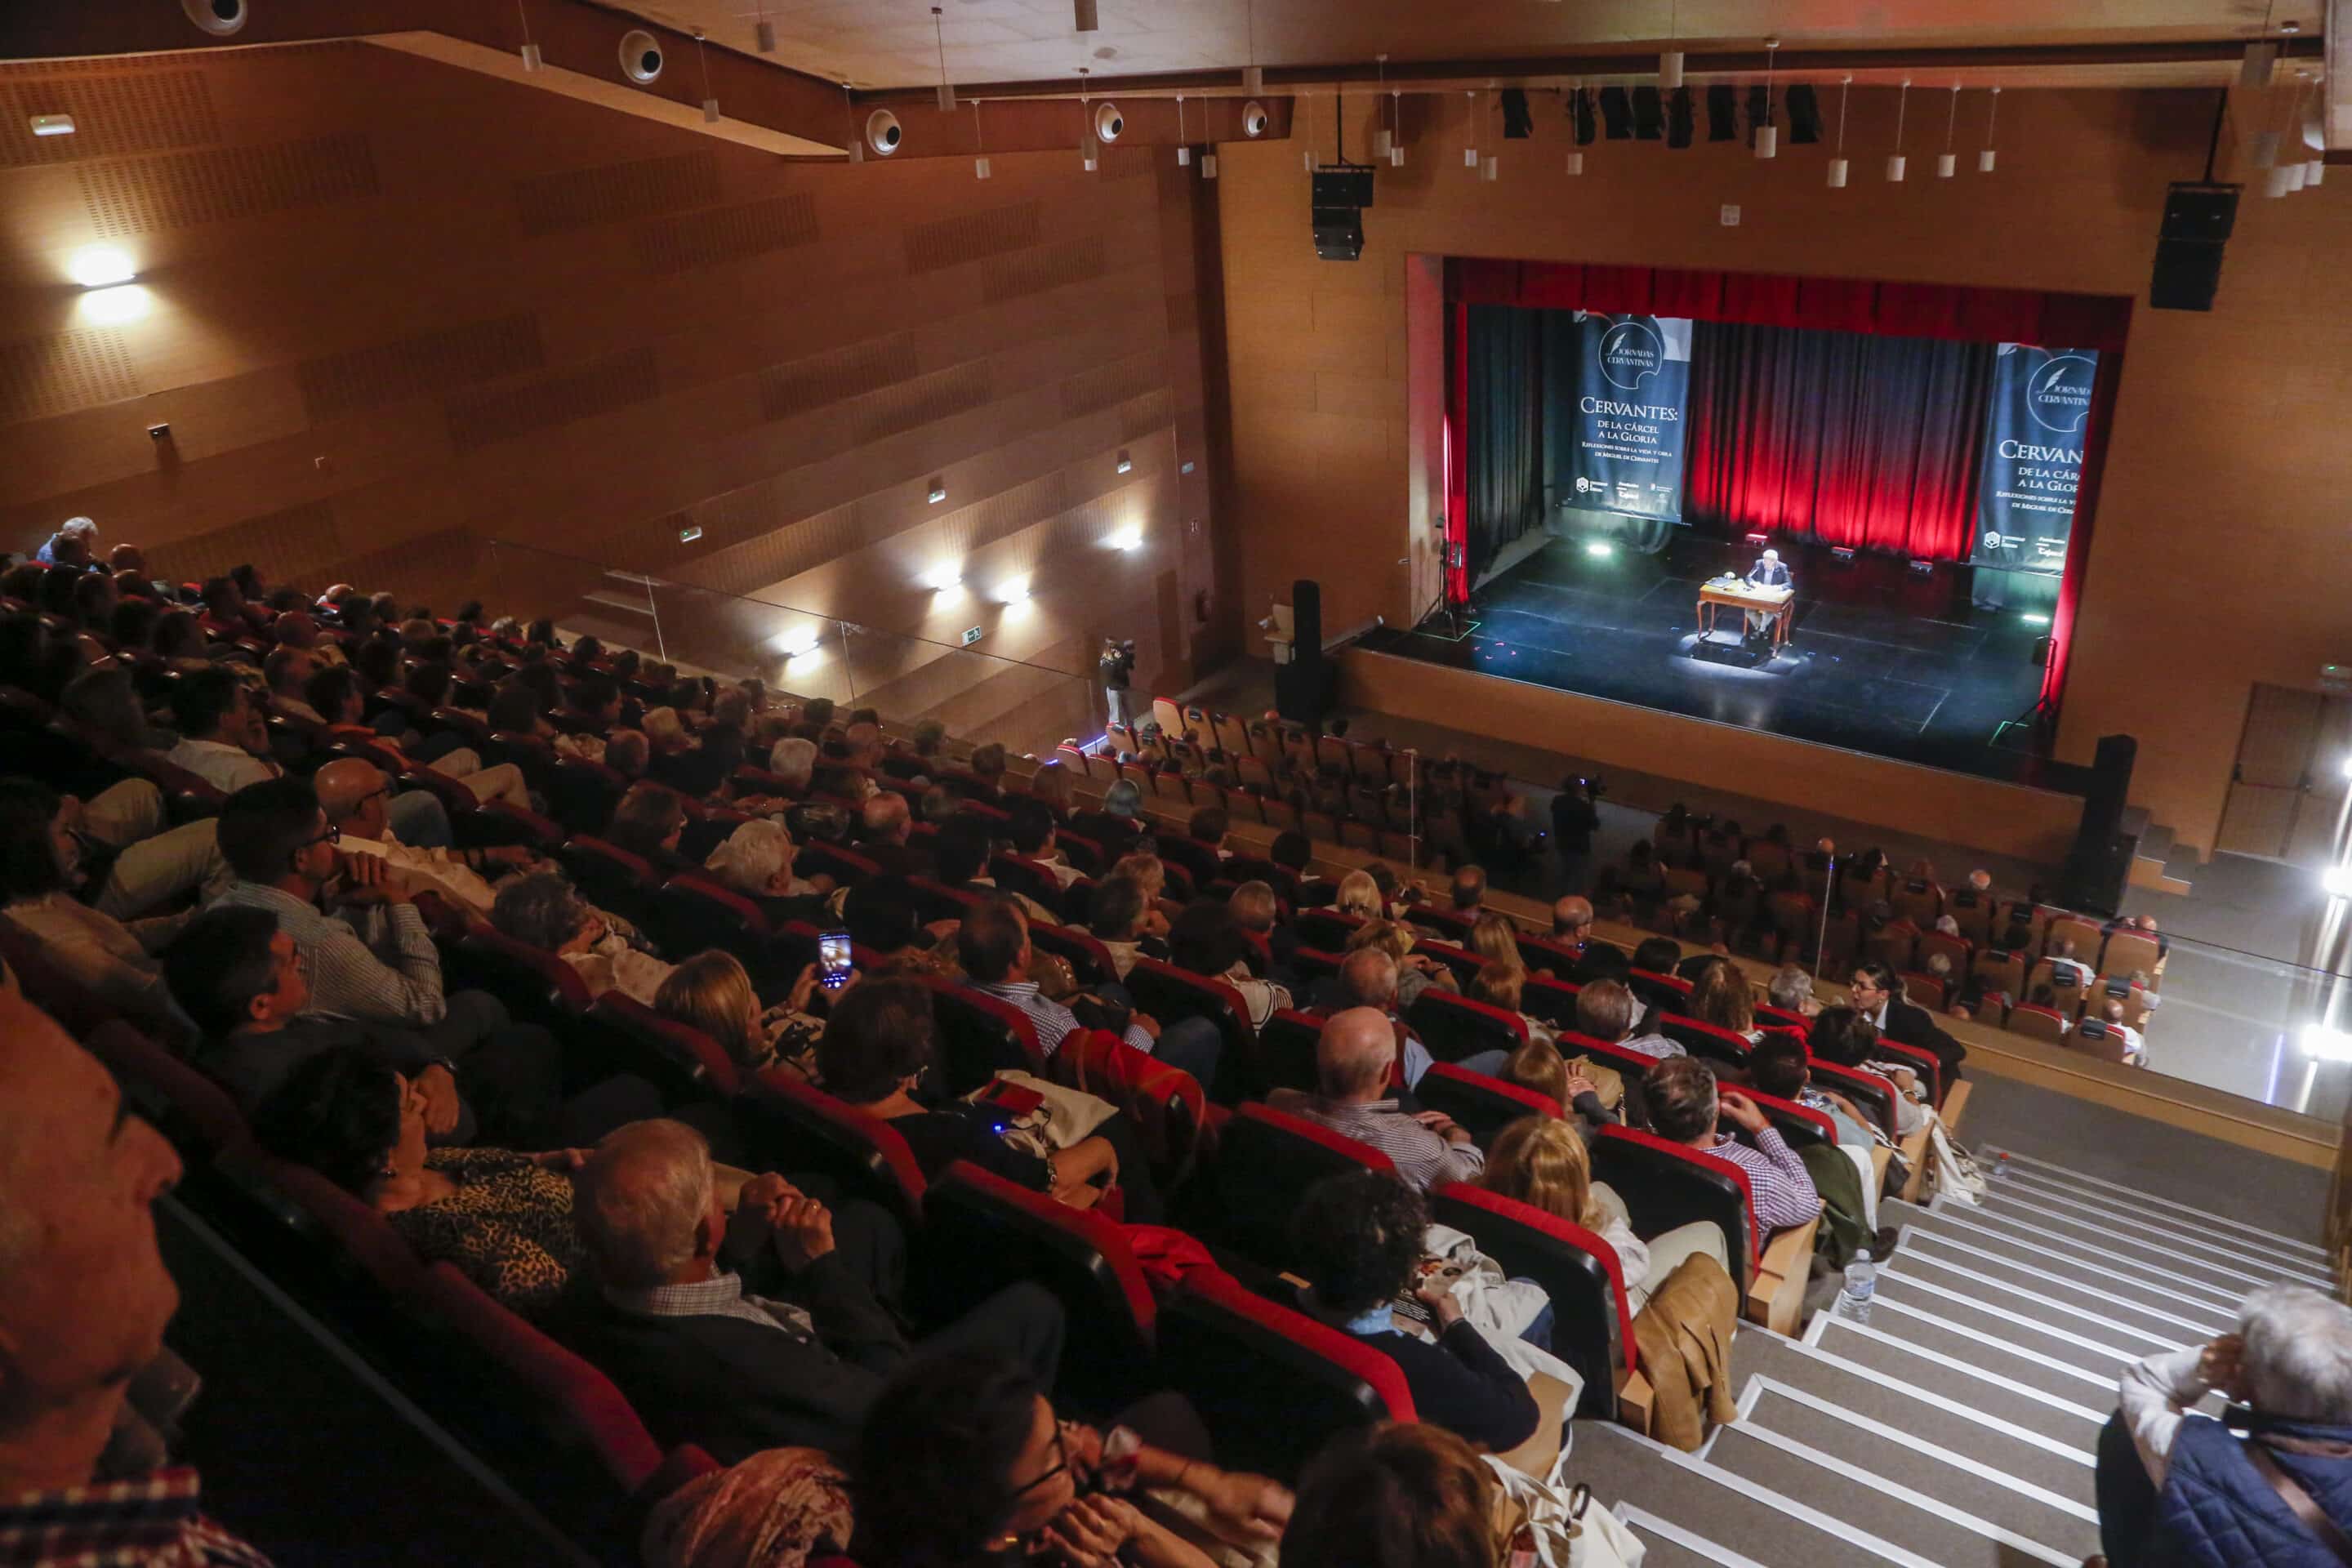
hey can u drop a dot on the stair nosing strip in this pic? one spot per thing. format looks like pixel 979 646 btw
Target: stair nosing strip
pixel 1637 1518
pixel 2318 1253
pixel 2026 1183
pixel 1935 1451
pixel 1932 1261
pixel 2086 1457
pixel 1781 1503
pixel 1966 1369
pixel 2093 1223
pixel 2127 1357
pixel 1957 1214
pixel 2008 1347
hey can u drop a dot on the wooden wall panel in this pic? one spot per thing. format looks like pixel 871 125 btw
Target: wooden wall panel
pixel 399 309
pixel 2219 518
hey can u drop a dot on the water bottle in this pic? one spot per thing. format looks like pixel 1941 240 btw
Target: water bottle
pixel 1860 1284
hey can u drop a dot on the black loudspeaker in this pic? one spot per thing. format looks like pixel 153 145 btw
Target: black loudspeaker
pixel 1649 114
pixel 1580 115
pixel 1517 123
pixel 1338 233
pixel 1804 115
pixel 2100 861
pixel 1617 113
pixel 1306 689
pixel 1722 114
pixel 2198 219
pixel 1342 185
pixel 1678 118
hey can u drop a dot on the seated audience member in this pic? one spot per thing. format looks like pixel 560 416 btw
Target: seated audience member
pixel 1545 1164
pixel 1503 986
pixel 1295 853
pixel 2045 997
pixel 793 760
pixel 1357 1239
pixel 886 835
pixel 240 981
pixel 1792 992
pixel 104 703
pixel 115 852
pixel 40 876
pixel 961 851
pixel 694 766
pixel 1539 1068
pixel 1844 1038
pixel 992 942
pixel 1205 940
pixel 504 1219
pixel 705 1353
pixel 1571 924
pixel 2063 961
pixel 75 543
pixel 985 779
pixel 1368 978
pixel 224 739
pixel 941 803
pixel 2134 1046
pixel 756 860
pixel 357 796
pixel 647 822
pixel 876 1051
pixel 883 913
pixel 1469 888
pixel 1120 822
pixel 372 959
pixel 84 1300
pixel 1494 938
pixel 1683 1107
pixel 179 642
pixel 2177 1487
pixel 1119 919
pixel 964 1462
pixel 519 708
pixel 1050 786
pixel 1777 1067
pixel 542 910
pixel 1258 910
pixel 1719 995
pixel 1416 971
pixel 1359 895
pixel 289 671
pixel 1877 995
pixel 135 618
pixel 1209 827
pixel 1396 1495
pixel 626 754
pixel 1033 832
pixel 1605 1010
pixel 1353 1058
pixel 712 991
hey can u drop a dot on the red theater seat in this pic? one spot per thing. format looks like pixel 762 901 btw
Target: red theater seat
pixel 981 1036
pixel 1485 1105
pixel 1267 1158
pixel 1664 1184
pixel 790 1126
pixel 1453 1026
pixel 1592 1326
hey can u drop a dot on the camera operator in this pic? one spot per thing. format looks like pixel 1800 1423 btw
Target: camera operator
pixel 1117 668
pixel 1574 820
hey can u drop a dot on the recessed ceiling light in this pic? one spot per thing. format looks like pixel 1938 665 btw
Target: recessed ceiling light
pixel 101 266
pixel 53 124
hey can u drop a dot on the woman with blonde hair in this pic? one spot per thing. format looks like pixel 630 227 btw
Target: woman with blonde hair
pixel 712 991
pixel 1051 783
pixel 1150 874
pixel 1501 983
pixel 1720 996
pixel 1358 895
pixel 1543 1163
pixel 1495 939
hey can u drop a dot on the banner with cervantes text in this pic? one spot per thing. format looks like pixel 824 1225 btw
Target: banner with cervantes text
pixel 1633 381
pixel 2032 462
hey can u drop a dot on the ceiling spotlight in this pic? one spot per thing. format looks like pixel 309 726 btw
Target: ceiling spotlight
pixel 1838 164
pixel 939 491
pixel 113 307
pixel 1896 161
pixel 1126 463
pixel 1128 538
pixel 53 124
pixel 1768 134
pixel 101 266
pixel 1985 158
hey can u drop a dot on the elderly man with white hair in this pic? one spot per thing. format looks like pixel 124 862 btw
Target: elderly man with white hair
pixel 2176 1486
pixel 756 860
pixel 81 534
pixel 1768 573
pixel 793 760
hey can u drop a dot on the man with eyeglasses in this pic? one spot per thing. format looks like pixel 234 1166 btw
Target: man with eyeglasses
pixel 370 959
pixel 356 794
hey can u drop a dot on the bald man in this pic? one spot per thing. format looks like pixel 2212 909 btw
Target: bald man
pixel 1354 1057
pixel 354 794
pixel 84 1299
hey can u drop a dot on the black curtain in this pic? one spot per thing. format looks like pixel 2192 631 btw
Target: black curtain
pixel 1845 437
pixel 1506 460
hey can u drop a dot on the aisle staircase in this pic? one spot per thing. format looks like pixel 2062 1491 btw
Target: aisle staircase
pixel 1958 1426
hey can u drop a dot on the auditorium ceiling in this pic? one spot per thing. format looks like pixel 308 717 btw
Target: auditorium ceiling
pixel 892 43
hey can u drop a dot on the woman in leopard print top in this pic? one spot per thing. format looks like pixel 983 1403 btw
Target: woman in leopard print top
pixel 503 1218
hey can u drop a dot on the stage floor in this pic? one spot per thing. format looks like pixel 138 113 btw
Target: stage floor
pixel 1880 660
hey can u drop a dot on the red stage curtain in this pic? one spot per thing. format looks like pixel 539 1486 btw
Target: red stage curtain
pixel 1845 438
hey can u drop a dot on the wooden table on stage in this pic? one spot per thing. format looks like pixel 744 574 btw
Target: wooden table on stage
pixel 1779 603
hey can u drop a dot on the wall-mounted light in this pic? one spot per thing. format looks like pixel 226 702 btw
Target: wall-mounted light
pixel 800 639
pixel 1128 538
pixel 2323 1044
pixel 939 491
pixel 944 578
pixel 101 266
pixel 2337 880
pixel 1126 463
pixel 1015 591
pixel 113 307
pixel 53 124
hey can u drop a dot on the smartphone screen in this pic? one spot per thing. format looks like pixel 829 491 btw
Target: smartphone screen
pixel 833 958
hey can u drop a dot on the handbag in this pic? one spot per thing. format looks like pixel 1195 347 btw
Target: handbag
pixel 1554 1530
pixel 1951 1169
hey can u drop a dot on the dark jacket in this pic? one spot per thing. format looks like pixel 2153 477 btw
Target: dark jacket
pixel 1907 1025
pixel 1463 1385
pixel 736 1386
pixel 2218 1511
pixel 896 860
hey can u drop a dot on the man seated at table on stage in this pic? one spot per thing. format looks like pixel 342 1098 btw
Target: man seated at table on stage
pixel 1768 573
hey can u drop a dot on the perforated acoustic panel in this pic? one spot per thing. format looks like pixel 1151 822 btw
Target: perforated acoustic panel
pixel 139 111
pixel 294 541
pixel 65 371
pixel 945 242
pixel 920 402
pixel 478 418
pixel 1153 410
pixel 727 233
pixel 134 195
pixel 1034 271
pixel 799 385
pixel 413 367
pixel 1091 390
pixel 575 198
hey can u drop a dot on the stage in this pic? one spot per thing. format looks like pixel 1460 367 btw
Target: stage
pixel 1880 660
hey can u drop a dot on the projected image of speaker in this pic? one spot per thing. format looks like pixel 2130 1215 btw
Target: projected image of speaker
pixel 2198 219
